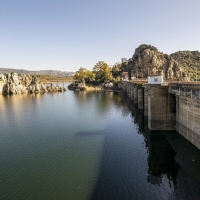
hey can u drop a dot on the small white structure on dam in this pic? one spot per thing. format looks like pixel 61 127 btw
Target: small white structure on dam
pixel 155 79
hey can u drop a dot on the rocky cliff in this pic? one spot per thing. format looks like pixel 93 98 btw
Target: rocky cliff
pixel 13 83
pixel 147 60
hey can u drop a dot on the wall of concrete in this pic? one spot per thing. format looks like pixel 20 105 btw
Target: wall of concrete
pixel 161 113
pixel 188 119
pixel 187 111
pixel 135 94
pixel 146 100
pixel 140 97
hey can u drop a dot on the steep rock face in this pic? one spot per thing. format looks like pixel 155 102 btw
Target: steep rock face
pixel 147 60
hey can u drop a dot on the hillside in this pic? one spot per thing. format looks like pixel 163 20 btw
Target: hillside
pixel 190 61
pixel 40 72
pixel 147 60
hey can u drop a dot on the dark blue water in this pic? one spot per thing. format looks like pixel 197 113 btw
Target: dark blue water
pixel 90 145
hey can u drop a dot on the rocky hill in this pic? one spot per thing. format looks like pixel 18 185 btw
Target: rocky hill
pixel 40 72
pixel 147 60
pixel 190 61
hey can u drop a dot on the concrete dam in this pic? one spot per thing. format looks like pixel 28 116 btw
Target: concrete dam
pixel 171 106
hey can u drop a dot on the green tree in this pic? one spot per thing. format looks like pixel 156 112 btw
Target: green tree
pixel 103 72
pixel 90 76
pixel 80 74
pixel 84 75
pixel 117 71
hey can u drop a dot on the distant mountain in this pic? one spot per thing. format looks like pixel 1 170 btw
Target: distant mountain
pixel 43 72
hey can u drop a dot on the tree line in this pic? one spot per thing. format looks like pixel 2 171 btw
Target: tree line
pixel 100 73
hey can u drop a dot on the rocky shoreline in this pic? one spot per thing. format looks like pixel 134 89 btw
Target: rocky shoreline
pixel 81 86
pixel 13 83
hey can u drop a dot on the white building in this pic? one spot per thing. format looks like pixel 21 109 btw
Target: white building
pixel 155 79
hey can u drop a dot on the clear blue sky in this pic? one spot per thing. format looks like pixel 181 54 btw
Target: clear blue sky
pixel 69 34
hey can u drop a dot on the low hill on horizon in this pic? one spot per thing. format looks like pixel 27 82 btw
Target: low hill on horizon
pixel 40 72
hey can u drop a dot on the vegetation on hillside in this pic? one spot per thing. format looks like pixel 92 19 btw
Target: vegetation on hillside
pixel 190 61
pixel 48 78
pixel 43 72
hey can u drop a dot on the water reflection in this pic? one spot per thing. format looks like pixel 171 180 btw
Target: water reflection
pixel 165 176
pixel 172 160
pixel 161 160
pixel 106 102
pixel 90 145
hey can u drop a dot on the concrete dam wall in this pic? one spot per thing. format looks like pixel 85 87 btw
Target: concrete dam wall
pixel 188 111
pixel 172 107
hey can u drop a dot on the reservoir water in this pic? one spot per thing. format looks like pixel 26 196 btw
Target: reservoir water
pixel 90 146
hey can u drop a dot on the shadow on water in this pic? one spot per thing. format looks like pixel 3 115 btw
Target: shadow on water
pixel 112 181
pixel 115 179
pixel 161 160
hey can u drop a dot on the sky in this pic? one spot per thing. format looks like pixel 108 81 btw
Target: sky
pixel 68 34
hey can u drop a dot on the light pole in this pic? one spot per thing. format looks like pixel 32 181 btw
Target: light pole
pixel 148 68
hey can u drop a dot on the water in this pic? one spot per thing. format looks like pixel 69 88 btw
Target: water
pixel 90 146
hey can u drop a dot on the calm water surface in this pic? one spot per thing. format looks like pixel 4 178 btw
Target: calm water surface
pixel 90 146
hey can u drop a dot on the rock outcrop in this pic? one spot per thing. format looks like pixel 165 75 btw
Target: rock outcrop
pixel 190 61
pixel 147 60
pixel 13 83
pixel 77 85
